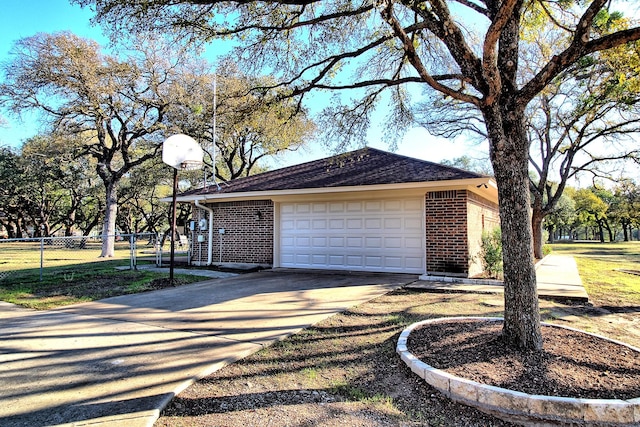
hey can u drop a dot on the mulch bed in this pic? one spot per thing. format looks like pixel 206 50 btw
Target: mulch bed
pixel 571 364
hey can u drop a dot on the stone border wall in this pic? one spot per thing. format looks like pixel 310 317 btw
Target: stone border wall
pixel 517 407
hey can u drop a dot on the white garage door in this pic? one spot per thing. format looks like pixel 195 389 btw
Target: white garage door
pixel 370 235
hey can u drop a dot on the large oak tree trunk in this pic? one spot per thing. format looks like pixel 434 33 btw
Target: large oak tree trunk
pixel 509 155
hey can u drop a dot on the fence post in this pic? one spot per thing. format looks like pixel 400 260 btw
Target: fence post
pixel 158 251
pixel 131 252
pixel 41 255
pixel 135 251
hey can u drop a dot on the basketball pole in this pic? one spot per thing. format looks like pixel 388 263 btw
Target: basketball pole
pixel 173 224
pixel 180 152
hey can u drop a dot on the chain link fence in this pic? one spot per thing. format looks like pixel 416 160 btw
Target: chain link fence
pixel 33 259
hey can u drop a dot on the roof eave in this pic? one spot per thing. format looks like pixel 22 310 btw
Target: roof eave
pixel 484 186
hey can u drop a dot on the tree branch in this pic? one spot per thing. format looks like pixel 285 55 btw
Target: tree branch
pixel 416 62
pixel 579 47
pixel 490 50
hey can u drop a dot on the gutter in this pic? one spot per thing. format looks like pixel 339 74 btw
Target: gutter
pixel 210 243
pixel 482 185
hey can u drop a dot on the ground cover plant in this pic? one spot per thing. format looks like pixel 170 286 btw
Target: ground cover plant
pixel 344 371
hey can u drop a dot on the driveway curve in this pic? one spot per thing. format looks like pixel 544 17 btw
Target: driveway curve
pixel 120 360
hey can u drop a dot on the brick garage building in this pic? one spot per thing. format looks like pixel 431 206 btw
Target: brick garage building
pixel 366 210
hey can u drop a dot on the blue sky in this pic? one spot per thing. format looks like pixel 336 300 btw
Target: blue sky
pixel 20 19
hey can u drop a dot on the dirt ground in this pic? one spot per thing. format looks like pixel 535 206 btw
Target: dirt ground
pixel 475 350
pixel 344 371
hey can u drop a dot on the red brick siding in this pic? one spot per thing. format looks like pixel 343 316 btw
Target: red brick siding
pixel 446 232
pixel 483 216
pixel 247 239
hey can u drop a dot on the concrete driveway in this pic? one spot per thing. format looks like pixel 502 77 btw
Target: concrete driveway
pixel 120 360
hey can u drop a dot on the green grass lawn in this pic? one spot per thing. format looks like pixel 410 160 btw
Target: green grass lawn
pixel 73 274
pixel 600 266
pixel 86 282
pixel 16 256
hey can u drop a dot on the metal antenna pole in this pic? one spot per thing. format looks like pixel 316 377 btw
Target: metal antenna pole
pixel 215 108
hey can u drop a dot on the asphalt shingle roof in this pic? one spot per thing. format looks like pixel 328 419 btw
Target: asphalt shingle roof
pixel 367 166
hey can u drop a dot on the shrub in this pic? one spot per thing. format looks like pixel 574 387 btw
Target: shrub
pixel 491 253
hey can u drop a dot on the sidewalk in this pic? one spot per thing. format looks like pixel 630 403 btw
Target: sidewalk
pixel 557 277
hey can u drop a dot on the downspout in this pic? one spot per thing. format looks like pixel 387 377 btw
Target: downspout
pixel 210 243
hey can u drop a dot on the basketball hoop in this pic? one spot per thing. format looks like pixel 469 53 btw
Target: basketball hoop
pixel 181 152
pixel 190 165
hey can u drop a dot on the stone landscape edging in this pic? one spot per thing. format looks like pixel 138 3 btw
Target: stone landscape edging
pixel 518 407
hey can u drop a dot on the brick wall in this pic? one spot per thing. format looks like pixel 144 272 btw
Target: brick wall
pixel 483 216
pixel 446 232
pixel 248 236
pixel 455 221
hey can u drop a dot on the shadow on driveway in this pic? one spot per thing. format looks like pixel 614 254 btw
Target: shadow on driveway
pixel 120 360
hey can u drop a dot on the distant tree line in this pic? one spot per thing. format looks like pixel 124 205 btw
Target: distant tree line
pixel 597 213
pixel 96 166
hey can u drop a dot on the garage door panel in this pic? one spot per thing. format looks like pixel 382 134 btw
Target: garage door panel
pixel 415 205
pixel 354 261
pixel 373 206
pixel 413 263
pixel 393 243
pixel 354 207
pixel 336 242
pixel 319 224
pixel 287 258
pixel 413 224
pixel 372 242
pixel 319 208
pixel 336 224
pixel 393 261
pixel 336 207
pixel 336 260
pixel 303 224
pixel 354 224
pixel 373 261
pixel 354 242
pixel 393 223
pixel 287 225
pixel 302 208
pixel 413 243
pixel 318 259
pixel 319 242
pixel 302 241
pixel 303 259
pixel 369 235
pixel 393 205
pixel 287 209
pixel 287 241
pixel 373 223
